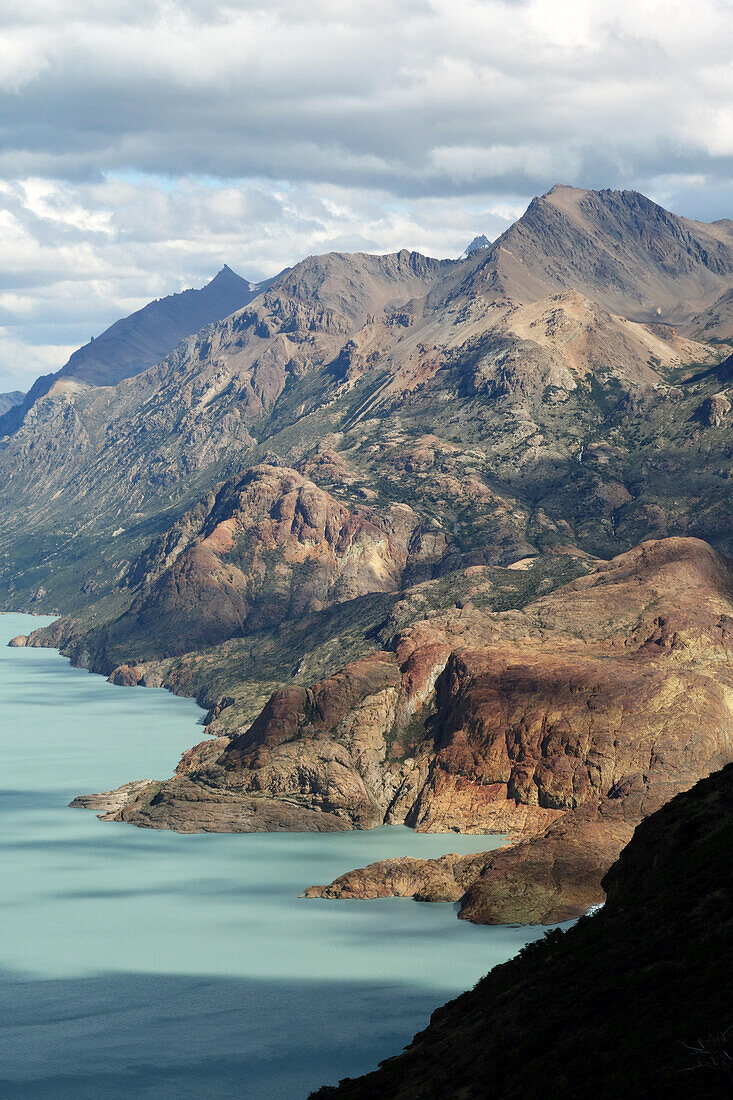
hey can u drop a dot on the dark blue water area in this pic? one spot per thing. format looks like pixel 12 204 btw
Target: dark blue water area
pixel 144 1035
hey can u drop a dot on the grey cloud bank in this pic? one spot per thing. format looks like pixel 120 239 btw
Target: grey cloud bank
pixel 144 144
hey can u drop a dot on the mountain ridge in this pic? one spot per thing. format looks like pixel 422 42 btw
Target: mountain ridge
pixel 582 239
pixel 134 343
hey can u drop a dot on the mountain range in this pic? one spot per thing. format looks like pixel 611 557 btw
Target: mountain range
pixel 437 542
pixel 131 345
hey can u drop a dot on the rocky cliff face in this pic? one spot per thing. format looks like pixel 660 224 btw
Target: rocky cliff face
pixel 563 725
pixel 556 1021
pixel 264 550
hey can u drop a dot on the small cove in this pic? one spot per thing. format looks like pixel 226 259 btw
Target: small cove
pixel 139 963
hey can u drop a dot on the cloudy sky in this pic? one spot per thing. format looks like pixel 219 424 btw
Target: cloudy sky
pixel 145 143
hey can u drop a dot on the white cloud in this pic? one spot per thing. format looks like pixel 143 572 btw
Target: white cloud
pixel 144 142
pixel 75 257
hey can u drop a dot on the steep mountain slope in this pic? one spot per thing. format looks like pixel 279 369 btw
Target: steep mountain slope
pixel 633 1001
pixel 617 247
pixel 133 344
pixel 716 322
pixel 10 400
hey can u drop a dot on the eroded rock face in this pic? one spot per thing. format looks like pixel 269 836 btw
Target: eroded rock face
pixel 714 410
pixel 561 725
pixel 18 641
pixel 604 740
pixel 265 549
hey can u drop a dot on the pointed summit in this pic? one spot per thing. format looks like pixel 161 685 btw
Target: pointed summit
pixel 225 272
pixel 134 343
pixel 618 248
pixel 476 245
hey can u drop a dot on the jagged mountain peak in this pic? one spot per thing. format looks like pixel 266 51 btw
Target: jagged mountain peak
pixel 226 275
pixel 477 245
pixel 359 284
pixel 136 342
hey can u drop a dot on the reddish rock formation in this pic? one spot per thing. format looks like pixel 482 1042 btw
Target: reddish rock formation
pixel 266 548
pixel 561 725
pixel 126 676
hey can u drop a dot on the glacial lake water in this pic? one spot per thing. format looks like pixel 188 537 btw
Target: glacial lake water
pixel 137 963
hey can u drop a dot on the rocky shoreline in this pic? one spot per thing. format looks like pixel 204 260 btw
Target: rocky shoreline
pixel 561 726
pixel 557 1020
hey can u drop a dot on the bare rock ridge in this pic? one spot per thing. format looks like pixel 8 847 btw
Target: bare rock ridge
pixel 133 344
pixel 618 247
pixel 558 1022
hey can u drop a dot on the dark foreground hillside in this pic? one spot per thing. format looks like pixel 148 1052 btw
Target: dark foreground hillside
pixel 633 1002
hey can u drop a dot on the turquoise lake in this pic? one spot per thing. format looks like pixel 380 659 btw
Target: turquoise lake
pixel 137 963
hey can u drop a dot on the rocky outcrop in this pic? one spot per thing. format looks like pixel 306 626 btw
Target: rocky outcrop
pixel 109 803
pixel 443 879
pixel 266 549
pixel 194 807
pixel 18 641
pixel 714 410
pixel 555 1021
pixel 562 726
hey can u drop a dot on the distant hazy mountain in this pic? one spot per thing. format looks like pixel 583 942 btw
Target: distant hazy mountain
pixel 134 343
pixel 10 400
pixel 476 245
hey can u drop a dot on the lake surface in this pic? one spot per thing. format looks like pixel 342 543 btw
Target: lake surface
pixel 137 963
